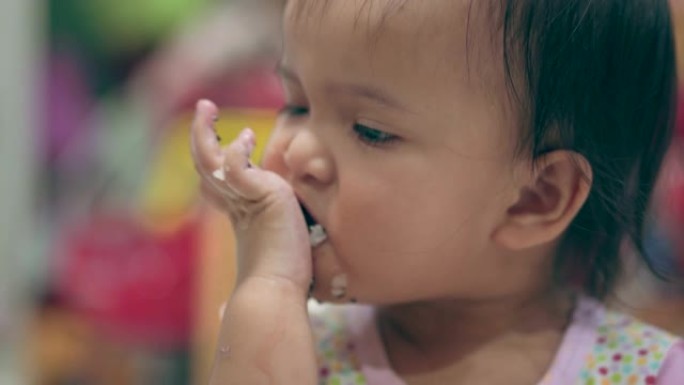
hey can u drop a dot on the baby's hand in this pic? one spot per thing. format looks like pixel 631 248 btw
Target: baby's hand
pixel 272 240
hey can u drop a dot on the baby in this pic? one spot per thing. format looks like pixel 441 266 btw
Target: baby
pixel 466 172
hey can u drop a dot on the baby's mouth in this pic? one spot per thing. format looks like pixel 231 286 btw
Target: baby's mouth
pixel 317 234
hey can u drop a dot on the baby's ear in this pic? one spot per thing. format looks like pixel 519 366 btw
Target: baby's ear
pixel 548 199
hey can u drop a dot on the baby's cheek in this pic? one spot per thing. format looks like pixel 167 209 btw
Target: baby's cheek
pixel 372 230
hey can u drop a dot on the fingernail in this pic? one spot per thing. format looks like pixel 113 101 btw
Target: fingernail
pixel 203 102
pixel 247 133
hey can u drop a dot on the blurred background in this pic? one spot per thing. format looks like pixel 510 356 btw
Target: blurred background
pixel 112 270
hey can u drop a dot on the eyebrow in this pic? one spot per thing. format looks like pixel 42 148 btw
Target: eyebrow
pixel 358 90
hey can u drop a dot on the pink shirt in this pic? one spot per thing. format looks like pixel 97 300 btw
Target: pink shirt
pixel 599 347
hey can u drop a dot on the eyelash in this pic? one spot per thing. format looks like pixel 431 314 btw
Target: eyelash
pixel 373 137
pixel 293 111
pixel 367 135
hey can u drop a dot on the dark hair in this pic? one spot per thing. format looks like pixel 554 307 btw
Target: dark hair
pixel 597 78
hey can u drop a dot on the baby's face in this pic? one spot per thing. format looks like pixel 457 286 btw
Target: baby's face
pixel 397 145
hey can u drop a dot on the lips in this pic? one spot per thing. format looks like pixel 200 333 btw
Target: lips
pixel 317 234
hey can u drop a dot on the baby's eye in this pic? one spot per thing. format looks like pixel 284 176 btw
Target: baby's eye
pixel 372 136
pixel 294 111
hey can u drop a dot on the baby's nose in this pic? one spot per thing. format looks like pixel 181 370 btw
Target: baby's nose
pixel 308 159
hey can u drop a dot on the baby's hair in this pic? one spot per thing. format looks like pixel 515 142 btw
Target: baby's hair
pixel 597 78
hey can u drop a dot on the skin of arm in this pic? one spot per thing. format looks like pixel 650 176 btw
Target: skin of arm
pixel 265 336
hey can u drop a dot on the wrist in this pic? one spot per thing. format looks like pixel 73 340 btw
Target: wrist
pixel 262 286
pixel 283 268
pixel 266 334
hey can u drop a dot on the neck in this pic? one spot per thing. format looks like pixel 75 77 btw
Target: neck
pixel 428 336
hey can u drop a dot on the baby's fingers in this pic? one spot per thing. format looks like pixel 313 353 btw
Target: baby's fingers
pixel 217 166
pixel 237 170
pixel 205 147
pixel 221 201
pixel 228 170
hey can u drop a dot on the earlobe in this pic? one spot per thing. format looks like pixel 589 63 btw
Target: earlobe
pixel 547 201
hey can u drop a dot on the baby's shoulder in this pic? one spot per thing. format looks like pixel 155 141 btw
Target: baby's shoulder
pixel 625 350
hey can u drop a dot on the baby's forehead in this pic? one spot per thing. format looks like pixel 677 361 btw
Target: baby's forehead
pixel 382 18
pixel 423 50
pixel 454 33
